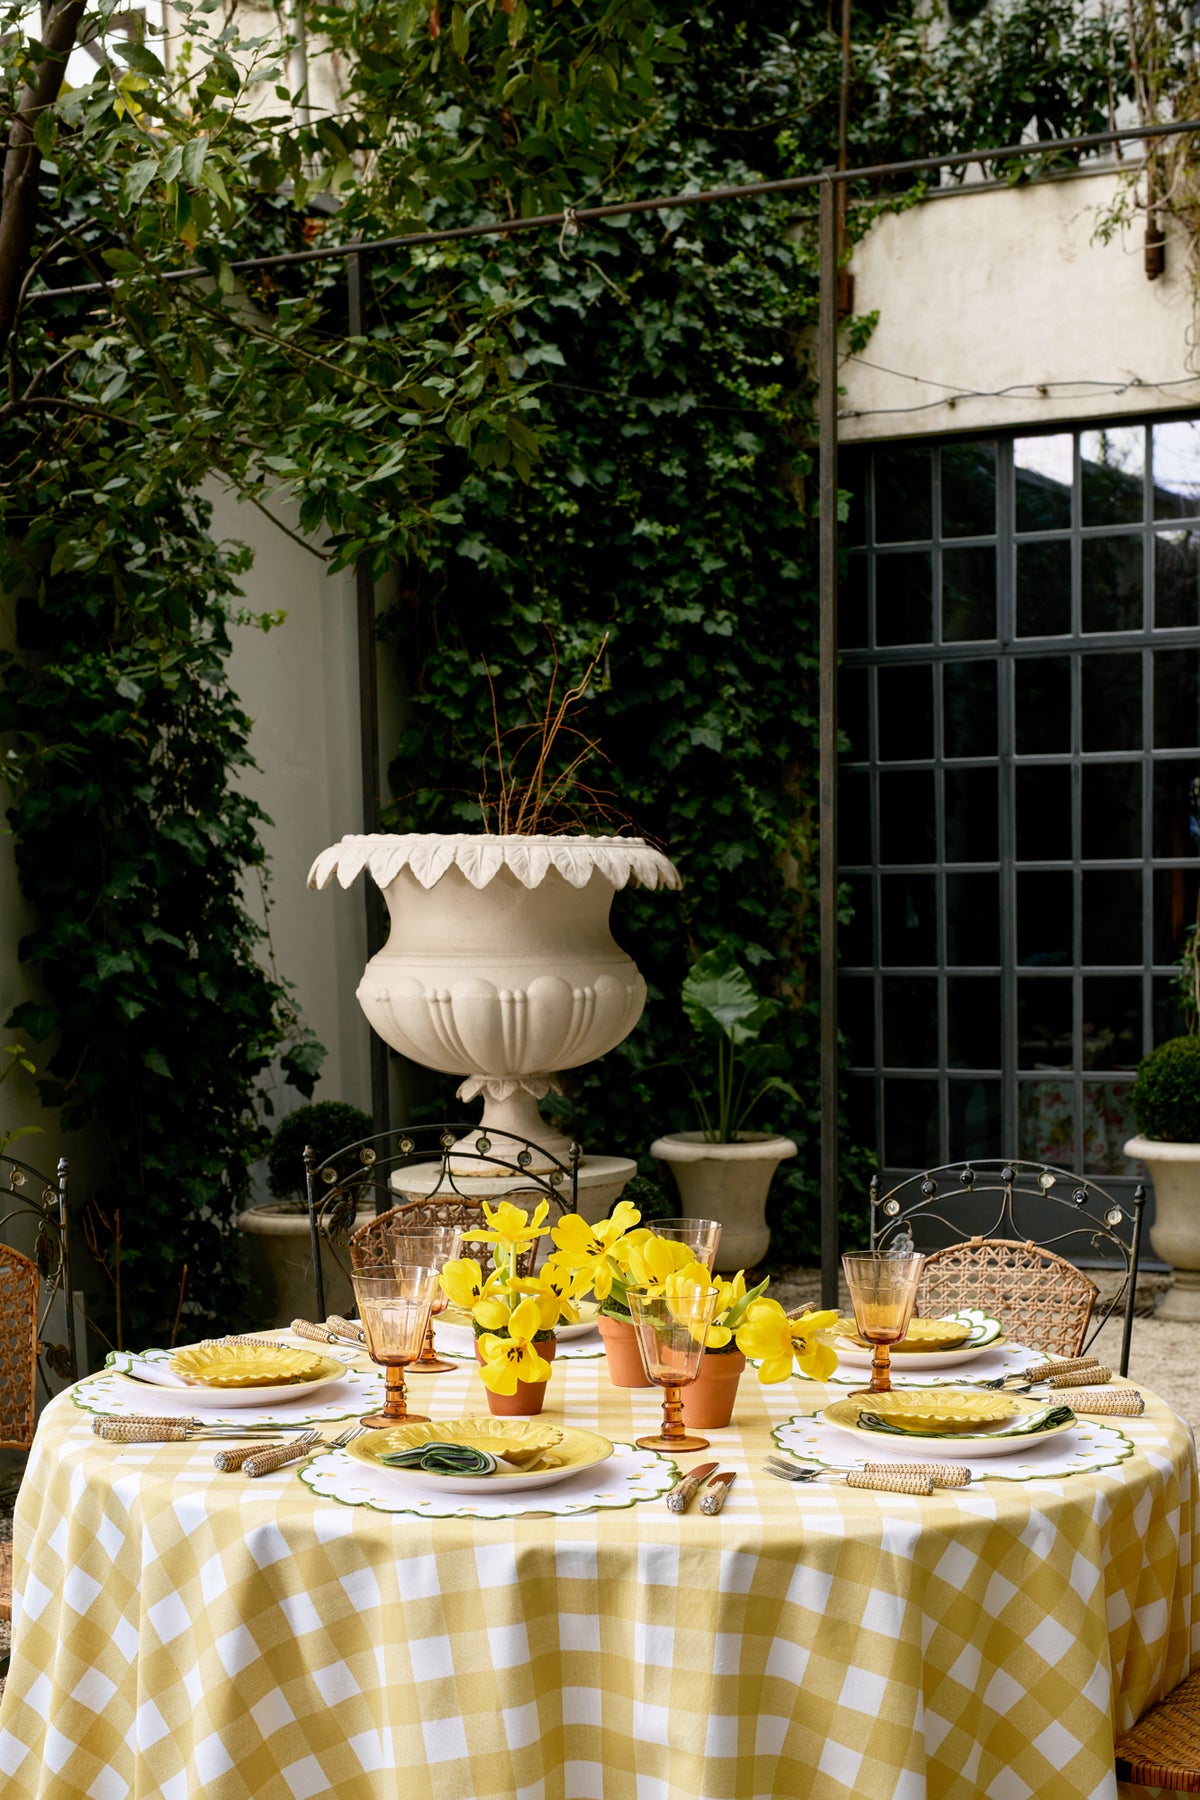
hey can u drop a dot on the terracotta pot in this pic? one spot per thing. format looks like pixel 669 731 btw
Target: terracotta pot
pixel 624 1358
pixel 708 1401
pixel 529 1396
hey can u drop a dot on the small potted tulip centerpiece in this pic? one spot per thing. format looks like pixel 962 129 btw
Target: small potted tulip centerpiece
pixel 514 1314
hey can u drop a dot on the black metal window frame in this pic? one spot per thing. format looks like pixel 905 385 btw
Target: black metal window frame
pixel 1083 737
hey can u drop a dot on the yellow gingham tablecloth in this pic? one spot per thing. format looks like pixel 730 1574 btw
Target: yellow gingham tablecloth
pixel 193 1636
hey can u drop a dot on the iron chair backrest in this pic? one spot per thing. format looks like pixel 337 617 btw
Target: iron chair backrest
pixel 990 1242
pixel 462 1154
pixel 370 1249
pixel 25 1193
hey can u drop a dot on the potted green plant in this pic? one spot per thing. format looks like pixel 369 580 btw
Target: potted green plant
pixel 724 1169
pixel 1166 1110
pixel 277 1237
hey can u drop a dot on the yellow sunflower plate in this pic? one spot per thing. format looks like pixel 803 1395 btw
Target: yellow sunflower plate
pixel 922 1335
pixel 253 1366
pixel 552 1454
pixel 933 1419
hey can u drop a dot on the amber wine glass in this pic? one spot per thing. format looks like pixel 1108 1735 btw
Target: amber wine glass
pixel 394 1310
pixel 883 1291
pixel 432 1246
pixel 672 1330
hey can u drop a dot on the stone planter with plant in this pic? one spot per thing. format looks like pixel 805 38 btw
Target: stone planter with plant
pixel 276 1233
pixel 1166 1110
pixel 724 1170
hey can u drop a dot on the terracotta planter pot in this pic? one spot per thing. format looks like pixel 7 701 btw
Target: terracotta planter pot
pixel 624 1358
pixel 708 1401
pixel 529 1396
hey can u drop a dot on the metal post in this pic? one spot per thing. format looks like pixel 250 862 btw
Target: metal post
pixel 827 400
pixel 368 737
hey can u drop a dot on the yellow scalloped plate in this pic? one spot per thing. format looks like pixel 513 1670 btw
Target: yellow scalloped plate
pixel 520 1441
pixel 575 1451
pixel 943 1409
pixel 253 1366
pixel 977 1436
pixel 922 1336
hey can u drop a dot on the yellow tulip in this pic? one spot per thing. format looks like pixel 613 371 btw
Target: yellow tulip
pixel 512 1225
pixel 462 1282
pixel 507 1360
pixel 651 1261
pixel 766 1332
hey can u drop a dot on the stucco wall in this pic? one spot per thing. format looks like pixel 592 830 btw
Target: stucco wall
pixel 999 307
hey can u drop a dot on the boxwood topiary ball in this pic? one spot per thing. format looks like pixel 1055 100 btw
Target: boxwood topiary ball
pixel 326 1125
pixel 1166 1093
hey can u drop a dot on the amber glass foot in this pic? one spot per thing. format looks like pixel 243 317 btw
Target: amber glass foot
pixel 429 1362
pixel 673 1436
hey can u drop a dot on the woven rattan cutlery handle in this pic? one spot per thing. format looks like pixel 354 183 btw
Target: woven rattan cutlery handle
pixel 1123 1403
pixel 265 1462
pixel 320 1334
pixel 894 1478
pixel 225 1461
pixel 1062 1365
pixel 948 1475
pixel 349 1329
pixel 715 1495
pixel 1072 1378
pixel 258 1343
pixel 142 1431
pixel 140 1419
pixel 681 1495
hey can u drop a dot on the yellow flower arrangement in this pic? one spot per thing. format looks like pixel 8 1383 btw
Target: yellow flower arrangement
pixel 766 1332
pixel 511 1311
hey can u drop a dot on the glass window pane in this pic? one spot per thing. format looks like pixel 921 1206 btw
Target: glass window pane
pixel 854 700
pixel 852 604
pixel 1112 464
pixel 1043 468
pixel 1177 469
pixel 856 1018
pixel 969 490
pixel 862 1127
pixel 973 1109
pixel 854 818
pixel 972 815
pixel 1176 832
pixel 1112 1021
pixel 1176 579
pixel 910 1022
pixel 904 598
pixel 1112 915
pixel 903 496
pixel 973 1022
pixel 1042 798
pixel 1176 699
pixel 910 1115
pixel 852 480
pixel 969 708
pixel 906 819
pixel 1111 702
pixel 1045 1028
pixel 1170 1014
pixel 905 713
pixel 1046 1121
pixel 1174 911
pixel 1111 584
pixel 856 937
pixel 908 921
pixel 1107 1126
pixel 1045 917
pixel 1111 811
pixel 973 920
pixel 1044 588
pixel 968 594
pixel 1042 700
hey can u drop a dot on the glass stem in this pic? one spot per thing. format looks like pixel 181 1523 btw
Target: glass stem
pixel 881 1370
pixel 672 1413
pixel 395 1399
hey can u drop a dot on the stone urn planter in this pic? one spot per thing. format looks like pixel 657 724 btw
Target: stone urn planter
pixel 278 1247
pixel 1175 1234
pixel 500 965
pixel 728 1182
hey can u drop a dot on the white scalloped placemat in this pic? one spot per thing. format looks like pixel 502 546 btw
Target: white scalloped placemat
pixel 628 1477
pixel 1087 1446
pixel 361 1391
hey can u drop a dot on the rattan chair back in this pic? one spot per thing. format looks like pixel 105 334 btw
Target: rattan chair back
pixel 1010 1237
pixel 1163 1749
pixel 1041 1299
pixel 19 1285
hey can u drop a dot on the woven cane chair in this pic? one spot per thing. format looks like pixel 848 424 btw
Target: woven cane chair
pixel 19 1283
pixel 1163 1749
pixel 448 1157
pixel 993 1260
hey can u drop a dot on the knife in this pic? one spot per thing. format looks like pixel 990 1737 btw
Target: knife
pixel 681 1494
pixel 718 1488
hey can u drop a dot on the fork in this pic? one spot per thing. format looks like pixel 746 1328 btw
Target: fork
pixel 266 1462
pixel 791 1471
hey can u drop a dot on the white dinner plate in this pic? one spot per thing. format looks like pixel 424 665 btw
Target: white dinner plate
pixel 986 1334
pixel 278 1394
pixel 579 1449
pixel 956 1446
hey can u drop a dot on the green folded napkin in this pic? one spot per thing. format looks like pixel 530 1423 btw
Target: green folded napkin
pixel 1044 1420
pixel 442 1459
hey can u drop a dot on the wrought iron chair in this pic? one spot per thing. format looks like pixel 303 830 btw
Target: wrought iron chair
pixel 461 1154
pixel 991 1261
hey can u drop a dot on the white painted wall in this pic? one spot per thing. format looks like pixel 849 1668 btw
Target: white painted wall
pixel 998 307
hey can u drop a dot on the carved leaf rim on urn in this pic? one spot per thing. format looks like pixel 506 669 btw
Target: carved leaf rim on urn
pixel 480 857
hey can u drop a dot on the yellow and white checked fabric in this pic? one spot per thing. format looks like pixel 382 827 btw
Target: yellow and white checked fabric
pixel 188 1636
